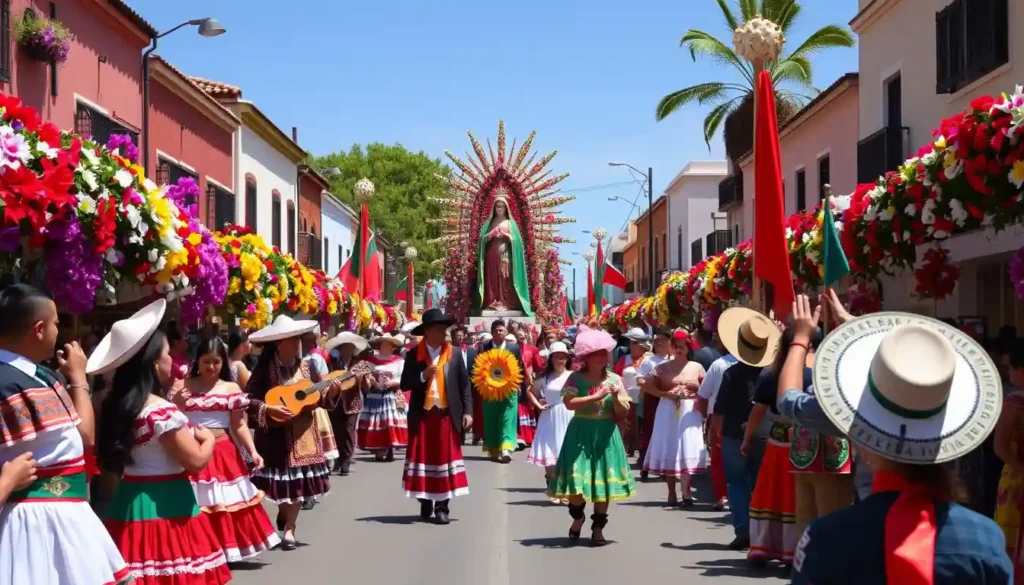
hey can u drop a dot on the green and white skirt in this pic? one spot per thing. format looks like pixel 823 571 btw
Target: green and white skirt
pixel 592 463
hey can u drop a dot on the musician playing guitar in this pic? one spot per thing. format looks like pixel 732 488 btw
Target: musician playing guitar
pixel 295 468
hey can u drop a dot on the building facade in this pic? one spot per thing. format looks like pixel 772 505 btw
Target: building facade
pixel 818 148
pixel 922 61
pixel 616 256
pixel 96 92
pixel 655 218
pixel 696 228
pixel 192 135
pixel 338 226
pixel 313 247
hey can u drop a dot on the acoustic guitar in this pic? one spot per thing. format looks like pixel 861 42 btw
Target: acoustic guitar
pixel 305 393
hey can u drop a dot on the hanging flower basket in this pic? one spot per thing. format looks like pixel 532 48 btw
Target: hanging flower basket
pixel 42 39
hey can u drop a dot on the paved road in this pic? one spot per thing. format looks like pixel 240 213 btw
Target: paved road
pixel 504 533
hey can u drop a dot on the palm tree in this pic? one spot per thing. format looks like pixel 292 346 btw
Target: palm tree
pixel 733 103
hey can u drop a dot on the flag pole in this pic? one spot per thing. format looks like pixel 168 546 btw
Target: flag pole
pixel 823 300
pixel 757 288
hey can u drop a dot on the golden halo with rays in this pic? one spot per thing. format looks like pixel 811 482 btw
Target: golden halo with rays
pixel 497 375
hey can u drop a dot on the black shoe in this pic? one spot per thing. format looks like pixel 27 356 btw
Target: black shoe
pixel 308 504
pixel 576 513
pixel 441 516
pixel 598 522
pixel 643 476
pixel 687 503
pixel 740 543
pixel 426 509
pixel 288 545
pixel 344 470
pixel 758 563
pixel 390 456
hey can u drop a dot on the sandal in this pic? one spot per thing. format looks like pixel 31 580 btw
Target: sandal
pixel 577 514
pixel 598 522
pixel 687 503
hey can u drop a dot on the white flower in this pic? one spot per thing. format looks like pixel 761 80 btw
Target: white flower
pixel 124 178
pixel 812 255
pixel 173 243
pixel 928 212
pixel 953 171
pixel 906 235
pixel 86 204
pixel 90 179
pixel 149 185
pixel 161 262
pixel 988 219
pixel 839 226
pixel 910 209
pixel 885 214
pixel 153 255
pixel 840 203
pixel 940 234
pixel 134 216
pixel 957 212
pixel 46 150
pixel 789 233
pixel 870 214
pixel 806 237
pixel 90 156
pixel 14 150
pixel 113 256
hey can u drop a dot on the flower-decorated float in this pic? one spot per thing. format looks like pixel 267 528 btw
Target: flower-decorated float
pixel 81 220
pixel 971 177
pixel 500 228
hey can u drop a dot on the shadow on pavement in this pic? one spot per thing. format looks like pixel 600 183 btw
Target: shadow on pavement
pixel 522 490
pixel 247 565
pixel 734 568
pixel 723 519
pixel 557 542
pixel 396 520
pixel 697 546
pixel 646 504
pixel 535 503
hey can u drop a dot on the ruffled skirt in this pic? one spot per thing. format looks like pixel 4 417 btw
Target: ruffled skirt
pixel 293 485
pixel 434 468
pixel 592 463
pixel 382 424
pixel 677 443
pixel 551 427
pixel 773 533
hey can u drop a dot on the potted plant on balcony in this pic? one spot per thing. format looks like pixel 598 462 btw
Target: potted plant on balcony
pixel 42 39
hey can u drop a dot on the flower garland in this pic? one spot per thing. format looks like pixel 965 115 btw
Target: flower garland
pixel 970 177
pixel 936 278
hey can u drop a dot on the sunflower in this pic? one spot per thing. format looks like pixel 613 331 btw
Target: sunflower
pixel 497 375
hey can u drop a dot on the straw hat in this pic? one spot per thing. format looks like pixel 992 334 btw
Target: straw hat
pixel 347 338
pixel 126 338
pixel 908 387
pixel 283 327
pixel 395 339
pixel 749 336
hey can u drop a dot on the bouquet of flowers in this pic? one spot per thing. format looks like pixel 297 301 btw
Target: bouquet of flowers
pixel 43 39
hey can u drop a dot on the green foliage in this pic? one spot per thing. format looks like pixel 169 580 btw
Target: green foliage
pixel 27 25
pixel 405 183
pixel 793 68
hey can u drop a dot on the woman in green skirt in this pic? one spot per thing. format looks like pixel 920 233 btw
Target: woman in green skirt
pixel 592 465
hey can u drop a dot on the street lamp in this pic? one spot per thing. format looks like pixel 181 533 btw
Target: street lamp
pixel 650 219
pixel 208 27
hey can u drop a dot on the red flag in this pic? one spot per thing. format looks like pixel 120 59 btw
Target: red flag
pixel 566 320
pixel 428 301
pixel 771 250
pixel 612 276
pixel 361 273
pixel 590 291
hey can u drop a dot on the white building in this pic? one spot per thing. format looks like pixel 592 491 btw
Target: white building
pixel 616 250
pixel 693 214
pixel 338 223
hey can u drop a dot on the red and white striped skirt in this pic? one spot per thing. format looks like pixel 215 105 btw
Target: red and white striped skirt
pixel 434 469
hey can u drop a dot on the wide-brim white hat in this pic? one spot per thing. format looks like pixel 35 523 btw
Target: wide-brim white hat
pixel 126 338
pixel 408 327
pixel 347 337
pixel 908 387
pixel 283 327
pixel 396 339
pixel 638 335
pixel 749 336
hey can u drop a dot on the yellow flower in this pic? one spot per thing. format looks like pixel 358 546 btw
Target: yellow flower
pixel 1017 173
pixel 234 285
pixel 496 375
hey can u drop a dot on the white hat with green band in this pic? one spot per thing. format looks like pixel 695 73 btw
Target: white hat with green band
pixel 908 387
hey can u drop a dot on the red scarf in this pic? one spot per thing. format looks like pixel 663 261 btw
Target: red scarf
pixel 383 361
pixel 910 531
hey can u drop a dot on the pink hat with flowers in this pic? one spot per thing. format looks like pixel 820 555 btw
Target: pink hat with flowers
pixel 590 340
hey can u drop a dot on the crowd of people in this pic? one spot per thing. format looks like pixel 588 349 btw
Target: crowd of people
pixel 843 456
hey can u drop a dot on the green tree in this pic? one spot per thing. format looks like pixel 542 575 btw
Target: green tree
pixel 732 101
pixel 405 183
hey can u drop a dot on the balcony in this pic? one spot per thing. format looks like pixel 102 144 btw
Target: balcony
pixel 730 192
pixel 311 250
pixel 882 152
pixel 717 241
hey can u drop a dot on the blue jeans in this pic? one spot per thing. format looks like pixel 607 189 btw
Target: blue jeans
pixel 740 479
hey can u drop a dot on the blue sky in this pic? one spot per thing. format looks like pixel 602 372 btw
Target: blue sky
pixel 585 75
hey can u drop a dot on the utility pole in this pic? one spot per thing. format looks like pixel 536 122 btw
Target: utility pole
pixel 650 230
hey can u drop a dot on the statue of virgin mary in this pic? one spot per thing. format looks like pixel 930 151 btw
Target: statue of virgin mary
pixel 501 263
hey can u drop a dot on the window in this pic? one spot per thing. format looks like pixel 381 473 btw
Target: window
pixel 327 252
pixel 824 179
pixel 251 203
pixel 169 173
pixel 5 40
pixel 293 243
pixel 971 39
pixel 801 190
pixel 679 249
pixel 696 252
pixel 275 218
pixel 341 256
pixel 894 101
pixel 96 125
pixel 222 205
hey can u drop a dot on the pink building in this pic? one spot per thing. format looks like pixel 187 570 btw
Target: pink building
pixel 819 147
pixel 192 135
pixel 97 91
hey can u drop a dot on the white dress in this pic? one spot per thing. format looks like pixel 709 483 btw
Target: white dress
pixel 547 443
pixel 49 540
pixel 677 443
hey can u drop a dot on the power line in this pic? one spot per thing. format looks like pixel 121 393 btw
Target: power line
pixel 598 187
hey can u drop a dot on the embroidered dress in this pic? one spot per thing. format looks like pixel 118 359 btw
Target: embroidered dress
pixel 154 518
pixel 773 532
pixel 554 420
pixel 49 535
pixel 592 462
pixel 383 423
pixel 223 489
pixel 677 443
pixel 295 464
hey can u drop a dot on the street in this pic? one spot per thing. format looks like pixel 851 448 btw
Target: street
pixel 504 533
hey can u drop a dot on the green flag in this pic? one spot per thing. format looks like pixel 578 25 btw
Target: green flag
pixel 834 260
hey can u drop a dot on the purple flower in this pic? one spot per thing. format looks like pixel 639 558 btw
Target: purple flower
pixel 10 239
pixel 210 283
pixel 74 272
pixel 117 141
pixel 185 194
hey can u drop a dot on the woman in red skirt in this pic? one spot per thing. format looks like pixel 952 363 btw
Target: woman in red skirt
pixel 211 399
pixel 382 424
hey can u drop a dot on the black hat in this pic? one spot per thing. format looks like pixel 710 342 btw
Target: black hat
pixel 432 317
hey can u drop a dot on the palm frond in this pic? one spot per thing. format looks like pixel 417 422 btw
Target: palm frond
pixel 830 36
pixel 730 18
pixel 694 93
pixel 748 8
pixel 787 16
pixel 771 9
pixel 799 99
pixel 704 44
pixel 715 117
pixel 795 69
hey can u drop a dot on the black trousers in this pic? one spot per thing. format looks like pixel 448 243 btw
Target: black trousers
pixel 443 504
pixel 345 434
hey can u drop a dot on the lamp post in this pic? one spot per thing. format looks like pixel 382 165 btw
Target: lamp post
pixel 410 254
pixel 208 27
pixel 650 220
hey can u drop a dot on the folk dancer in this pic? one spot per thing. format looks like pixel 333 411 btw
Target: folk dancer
pixel 626 367
pixel 295 469
pixel 439 410
pixel 383 424
pixel 154 516
pixel 47 426
pixel 316 360
pixel 212 400
pixel 554 416
pixel 649 405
